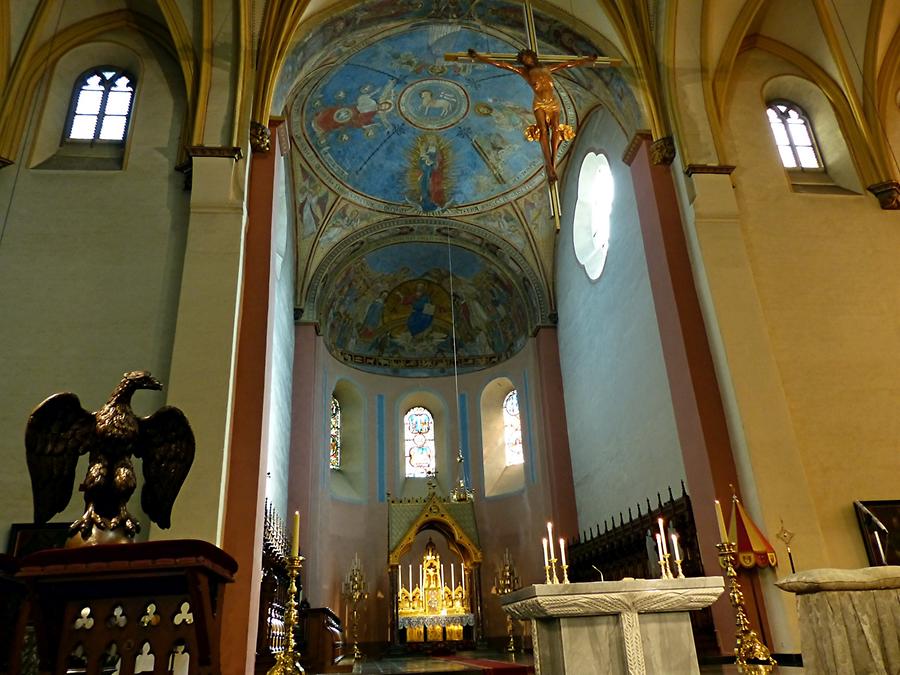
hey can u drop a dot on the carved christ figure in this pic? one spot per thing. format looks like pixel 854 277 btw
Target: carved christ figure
pixel 547 130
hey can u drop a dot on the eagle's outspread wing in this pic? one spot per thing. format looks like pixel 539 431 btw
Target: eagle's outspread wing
pixel 58 431
pixel 166 444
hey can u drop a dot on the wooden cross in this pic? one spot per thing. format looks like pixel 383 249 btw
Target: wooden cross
pixel 550 62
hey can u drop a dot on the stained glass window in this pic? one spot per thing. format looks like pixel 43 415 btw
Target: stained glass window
pixel 793 136
pixel 101 106
pixel 419 442
pixel 512 429
pixel 334 456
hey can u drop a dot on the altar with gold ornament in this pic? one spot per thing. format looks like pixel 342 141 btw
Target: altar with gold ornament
pixel 436 596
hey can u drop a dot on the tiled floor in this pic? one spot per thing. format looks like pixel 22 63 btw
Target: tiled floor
pixel 433 666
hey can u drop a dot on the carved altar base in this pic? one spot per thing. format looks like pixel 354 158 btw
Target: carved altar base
pixel 636 627
pixel 849 619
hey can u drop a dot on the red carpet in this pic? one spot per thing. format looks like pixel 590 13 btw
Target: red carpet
pixel 493 667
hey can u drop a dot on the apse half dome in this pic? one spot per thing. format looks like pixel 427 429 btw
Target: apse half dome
pixel 393 311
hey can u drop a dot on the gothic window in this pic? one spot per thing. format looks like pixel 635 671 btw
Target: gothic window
pixel 101 106
pixel 334 450
pixel 591 223
pixel 419 442
pixel 512 429
pixel 794 136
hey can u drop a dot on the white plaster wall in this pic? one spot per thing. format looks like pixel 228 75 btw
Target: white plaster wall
pixel 280 357
pixel 622 433
pixel 90 266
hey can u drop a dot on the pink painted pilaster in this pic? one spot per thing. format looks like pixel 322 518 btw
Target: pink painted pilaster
pixel 245 489
pixel 696 400
pixel 555 434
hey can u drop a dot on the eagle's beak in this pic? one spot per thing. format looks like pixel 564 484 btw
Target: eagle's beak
pixel 155 384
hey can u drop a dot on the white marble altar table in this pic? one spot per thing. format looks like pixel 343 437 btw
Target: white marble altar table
pixel 638 627
pixel 849 619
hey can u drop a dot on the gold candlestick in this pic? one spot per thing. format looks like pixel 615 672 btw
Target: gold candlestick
pixel 748 646
pixel 665 572
pixel 287 662
pixel 565 569
pixel 547 573
pixel 553 567
pixel 355 590
pixel 680 574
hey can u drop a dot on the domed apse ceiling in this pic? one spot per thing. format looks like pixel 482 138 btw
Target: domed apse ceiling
pixel 395 128
pixel 392 311
pixel 393 148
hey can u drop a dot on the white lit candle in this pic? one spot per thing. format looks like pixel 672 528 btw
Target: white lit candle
pixel 562 550
pixel 675 546
pixel 295 541
pixel 421 578
pixel 410 578
pixel 659 548
pixel 723 533
pixel 452 577
pixel 400 578
pixel 662 537
pixel 442 578
pixel 462 576
pixel 550 539
pixel 546 559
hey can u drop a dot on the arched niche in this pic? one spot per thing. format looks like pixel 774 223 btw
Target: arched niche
pixel 47 151
pixel 840 171
pixel 499 477
pixel 444 457
pixel 350 481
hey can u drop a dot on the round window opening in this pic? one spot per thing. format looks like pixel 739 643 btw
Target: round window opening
pixel 590 230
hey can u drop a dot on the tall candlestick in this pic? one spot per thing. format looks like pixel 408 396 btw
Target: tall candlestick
pixel 675 546
pixel 550 539
pixel 295 542
pixel 659 551
pixel 546 559
pixel 723 533
pixel 662 536
pixel 562 550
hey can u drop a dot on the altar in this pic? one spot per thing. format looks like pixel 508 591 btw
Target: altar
pixel 435 599
pixel 633 627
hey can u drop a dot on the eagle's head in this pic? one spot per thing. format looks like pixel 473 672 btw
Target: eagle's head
pixel 140 379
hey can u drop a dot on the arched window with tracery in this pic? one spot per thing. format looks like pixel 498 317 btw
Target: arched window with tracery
pixel 420 455
pixel 334 451
pixel 101 106
pixel 512 429
pixel 794 136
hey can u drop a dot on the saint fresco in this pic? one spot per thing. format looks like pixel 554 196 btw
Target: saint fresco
pixel 395 313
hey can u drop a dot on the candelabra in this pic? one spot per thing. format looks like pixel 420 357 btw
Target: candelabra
pixel 287 662
pixel 354 590
pixel 506 581
pixel 748 646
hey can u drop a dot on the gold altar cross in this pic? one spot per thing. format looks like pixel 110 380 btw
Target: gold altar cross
pixel 552 62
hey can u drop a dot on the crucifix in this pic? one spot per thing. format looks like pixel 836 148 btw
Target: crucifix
pixel 537 70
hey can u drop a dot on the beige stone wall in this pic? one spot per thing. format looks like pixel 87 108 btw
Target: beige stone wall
pixel 825 270
pixel 90 261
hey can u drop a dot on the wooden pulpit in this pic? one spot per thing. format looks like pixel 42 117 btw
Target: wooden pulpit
pixel 152 607
pixel 322 641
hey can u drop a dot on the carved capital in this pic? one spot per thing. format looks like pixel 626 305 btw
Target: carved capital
pixel 260 137
pixel 5 162
pixel 662 150
pixel 888 194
